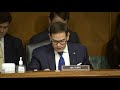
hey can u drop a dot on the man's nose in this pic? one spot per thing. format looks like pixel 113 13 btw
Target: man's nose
pixel 58 44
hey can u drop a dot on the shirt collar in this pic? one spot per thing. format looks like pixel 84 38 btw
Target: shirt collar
pixel 2 39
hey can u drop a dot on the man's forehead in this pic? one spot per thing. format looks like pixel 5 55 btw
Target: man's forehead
pixel 60 39
pixel 4 24
pixel 59 35
pixel 57 19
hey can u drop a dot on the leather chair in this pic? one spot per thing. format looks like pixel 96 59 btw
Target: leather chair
pixel 30 47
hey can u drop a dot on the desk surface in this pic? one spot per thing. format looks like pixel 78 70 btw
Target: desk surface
pixel 48 74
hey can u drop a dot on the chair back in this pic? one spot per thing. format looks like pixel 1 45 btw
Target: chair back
pixel 31 47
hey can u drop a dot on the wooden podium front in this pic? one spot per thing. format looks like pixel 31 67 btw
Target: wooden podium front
pixel 48 74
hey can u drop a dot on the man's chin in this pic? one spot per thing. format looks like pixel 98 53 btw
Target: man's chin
pixel 59 50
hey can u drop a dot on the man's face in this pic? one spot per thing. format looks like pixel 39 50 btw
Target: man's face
pixel 59 41
pixel 3 28
pixel 58 19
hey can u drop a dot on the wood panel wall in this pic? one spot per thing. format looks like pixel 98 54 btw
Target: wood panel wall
pixel 93 28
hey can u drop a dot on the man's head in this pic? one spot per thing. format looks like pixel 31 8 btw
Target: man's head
pixel 59 17
pixel 5 20
pixel 59 35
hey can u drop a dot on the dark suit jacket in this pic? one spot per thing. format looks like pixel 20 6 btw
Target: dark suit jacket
pixel 113 56
pixel 44 57
pixel 13 49
pixel 42 36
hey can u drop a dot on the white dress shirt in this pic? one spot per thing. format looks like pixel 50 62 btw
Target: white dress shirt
pixel 2 44
pixel 65 56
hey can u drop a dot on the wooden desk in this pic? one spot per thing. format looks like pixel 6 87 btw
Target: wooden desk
pixel 48 74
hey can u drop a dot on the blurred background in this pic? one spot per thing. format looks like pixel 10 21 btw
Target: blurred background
pixel 93 28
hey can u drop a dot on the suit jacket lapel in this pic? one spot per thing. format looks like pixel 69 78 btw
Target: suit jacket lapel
pixel 72 54
pixel 6 47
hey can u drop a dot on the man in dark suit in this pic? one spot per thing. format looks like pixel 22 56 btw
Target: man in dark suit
pixel 47 57
pixel 55 17
pixel 12 47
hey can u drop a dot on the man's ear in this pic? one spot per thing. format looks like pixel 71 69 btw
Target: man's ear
pixel 49 20
pixel 68 35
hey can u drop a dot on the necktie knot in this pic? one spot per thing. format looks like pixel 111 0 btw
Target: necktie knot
pixel 60 53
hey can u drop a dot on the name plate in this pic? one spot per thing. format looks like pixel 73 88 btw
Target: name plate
pixel 76 68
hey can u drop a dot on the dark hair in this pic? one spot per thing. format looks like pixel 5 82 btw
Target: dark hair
pixel 113 47
pixel 5 17
pixel 57 28
pixel 116 35
pixel 117 32
pixel 118 21
pixel 63 15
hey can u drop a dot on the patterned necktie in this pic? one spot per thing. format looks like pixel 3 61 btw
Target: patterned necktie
pixel 1 55
pixel 61 60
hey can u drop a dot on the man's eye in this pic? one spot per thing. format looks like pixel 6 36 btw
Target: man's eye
pixel 62 40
